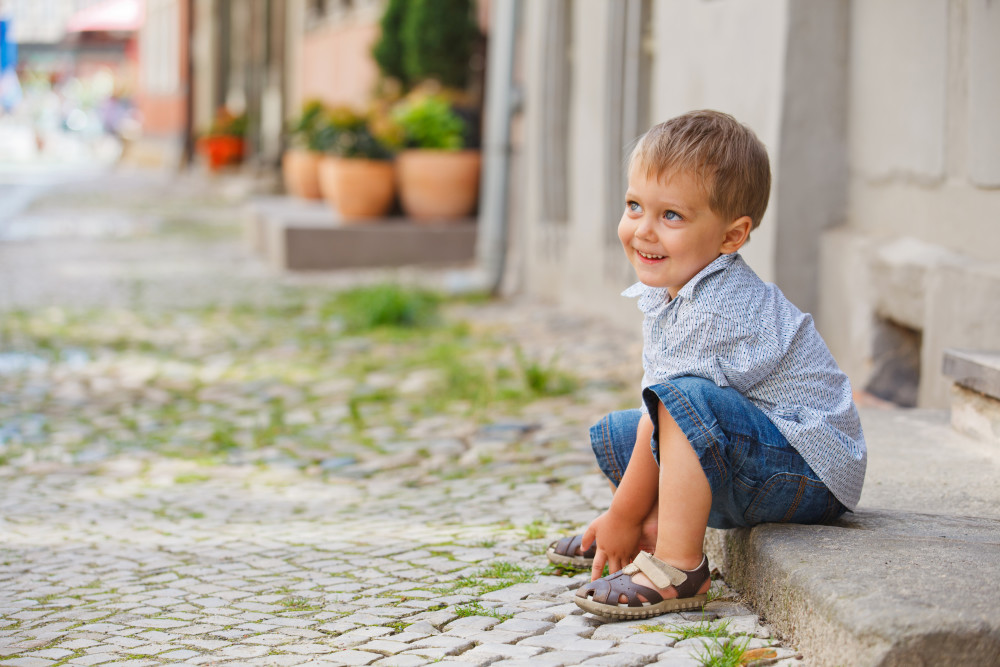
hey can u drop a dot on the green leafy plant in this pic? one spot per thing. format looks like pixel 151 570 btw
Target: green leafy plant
pixel 332 123
pixel 431 123
pixel 349 134
pixel 228 124
pixel 304 131
pixel 438 37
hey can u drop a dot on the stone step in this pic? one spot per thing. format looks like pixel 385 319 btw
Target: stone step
pixel 911 577
pixel 975 396
pixel 302 235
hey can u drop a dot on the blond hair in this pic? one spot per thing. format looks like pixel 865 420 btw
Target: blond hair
pixel 726 155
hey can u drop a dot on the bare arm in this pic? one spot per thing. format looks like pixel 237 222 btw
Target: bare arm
pixel 617 530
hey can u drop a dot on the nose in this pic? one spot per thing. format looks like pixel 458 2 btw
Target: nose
pixel 644 229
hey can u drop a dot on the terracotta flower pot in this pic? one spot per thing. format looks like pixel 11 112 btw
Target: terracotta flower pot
pixel 326 175
pixel 438 185
pixel 358 189
pixel 300 169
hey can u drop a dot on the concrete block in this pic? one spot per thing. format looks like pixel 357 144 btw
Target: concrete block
pixel 905 579
pixel 304 235
pixel 976 370
pixel 898 88
pixel 975 414
pixel 963 312
pixel 975 396
pixel 878 588
pixel 260 210
pixel 899 279
pixel 984 92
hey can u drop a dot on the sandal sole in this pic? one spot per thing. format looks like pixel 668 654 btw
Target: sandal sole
pixel 574 561
pixel 618 612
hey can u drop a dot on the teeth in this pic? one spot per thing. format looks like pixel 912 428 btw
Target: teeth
pixel 651 256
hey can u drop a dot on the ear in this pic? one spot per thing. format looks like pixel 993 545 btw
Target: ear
pixel 737 234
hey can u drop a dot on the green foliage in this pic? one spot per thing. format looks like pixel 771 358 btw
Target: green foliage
pixel 536 530
pixel 438 37
pixel 476 609
pixel 505 574
pixel 389 51
pixel 728 652
pixel 681 632
pixel 545 379
pixel 348 134
pixel 304 131
pixel 431 123
pixel 386 305
pixel 360 143
pixel 228 124
pixel 331 124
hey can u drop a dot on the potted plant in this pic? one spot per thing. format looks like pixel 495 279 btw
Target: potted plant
pixel 438 180
pixel 300 162
pixel 223 144
pixel 358 175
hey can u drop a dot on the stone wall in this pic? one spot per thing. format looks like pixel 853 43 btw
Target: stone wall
pixel 923 217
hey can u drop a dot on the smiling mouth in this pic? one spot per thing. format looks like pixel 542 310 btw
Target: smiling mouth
pixel 648 256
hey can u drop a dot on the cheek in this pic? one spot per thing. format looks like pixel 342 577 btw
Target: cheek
pixel 626 229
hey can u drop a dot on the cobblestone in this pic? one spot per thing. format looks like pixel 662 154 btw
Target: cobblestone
pixel 197 467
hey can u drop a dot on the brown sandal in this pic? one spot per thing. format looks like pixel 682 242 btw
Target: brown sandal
pixel 601 596
pixel 567 552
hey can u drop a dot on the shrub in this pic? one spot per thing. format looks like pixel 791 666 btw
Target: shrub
pixel 438 37
pixel 389 51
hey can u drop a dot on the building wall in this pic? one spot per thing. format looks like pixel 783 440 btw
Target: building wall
pixel 335 65
pixel 882 121
pixel 163 86
pixel 917 253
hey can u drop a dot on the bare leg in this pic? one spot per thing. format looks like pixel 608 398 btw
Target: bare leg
pixel 685 499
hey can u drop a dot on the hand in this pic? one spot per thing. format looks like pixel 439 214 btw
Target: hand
pixel 617 542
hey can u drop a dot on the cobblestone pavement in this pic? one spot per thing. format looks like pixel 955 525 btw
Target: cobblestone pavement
pixel 209 467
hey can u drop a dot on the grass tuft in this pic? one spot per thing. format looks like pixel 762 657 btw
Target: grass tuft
pixel 476 609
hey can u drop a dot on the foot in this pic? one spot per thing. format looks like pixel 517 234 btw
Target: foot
pixel 631 592
pixel 669 592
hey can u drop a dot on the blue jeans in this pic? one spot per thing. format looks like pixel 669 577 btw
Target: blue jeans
pixel 755 475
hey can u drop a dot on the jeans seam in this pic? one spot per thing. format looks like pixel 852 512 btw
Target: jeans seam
pixel 795 503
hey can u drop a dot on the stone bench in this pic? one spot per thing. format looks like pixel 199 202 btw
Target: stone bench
pixel 303 235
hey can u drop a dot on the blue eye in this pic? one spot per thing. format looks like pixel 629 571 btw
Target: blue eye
pixel 633 206
pixel 671 215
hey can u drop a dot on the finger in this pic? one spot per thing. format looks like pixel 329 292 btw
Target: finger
pixel 598 567
pixel 588 537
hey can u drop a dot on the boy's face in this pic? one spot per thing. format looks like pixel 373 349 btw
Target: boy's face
pixel 668 231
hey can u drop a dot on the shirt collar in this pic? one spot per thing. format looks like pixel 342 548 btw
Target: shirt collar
pixel 651 297
pixel 721 263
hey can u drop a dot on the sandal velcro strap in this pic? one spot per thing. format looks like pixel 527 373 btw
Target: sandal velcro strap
pixel 661 574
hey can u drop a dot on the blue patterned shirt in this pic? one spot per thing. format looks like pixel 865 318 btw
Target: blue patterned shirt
pixel 729 326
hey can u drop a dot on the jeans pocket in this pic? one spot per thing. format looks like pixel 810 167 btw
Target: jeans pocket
pixel 788 497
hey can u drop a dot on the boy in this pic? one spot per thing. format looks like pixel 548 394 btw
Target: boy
pixel 746 417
